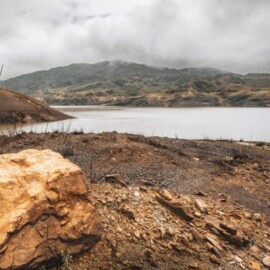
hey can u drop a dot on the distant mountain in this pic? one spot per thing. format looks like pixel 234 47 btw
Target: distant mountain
pixel 19 108
pixel 122 83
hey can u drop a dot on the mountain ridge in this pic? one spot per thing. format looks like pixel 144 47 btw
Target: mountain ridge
pixel 133 84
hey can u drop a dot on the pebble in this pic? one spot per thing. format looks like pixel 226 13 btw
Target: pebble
pixel 255 249
pixel 257 216
pixel 238 259
pixel 167 195
pixel 119 229
pixel 137 234
pixel 266 261
pixel 201 206
pixel 171 231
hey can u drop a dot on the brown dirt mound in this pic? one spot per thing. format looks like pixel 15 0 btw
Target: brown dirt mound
pixel 19 108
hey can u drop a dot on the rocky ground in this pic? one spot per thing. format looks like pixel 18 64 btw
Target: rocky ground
pixel 170 203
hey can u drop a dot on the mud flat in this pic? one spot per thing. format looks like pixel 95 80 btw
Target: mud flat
pixel 169 203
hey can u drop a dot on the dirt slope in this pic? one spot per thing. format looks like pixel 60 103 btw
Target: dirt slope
pixel 19 108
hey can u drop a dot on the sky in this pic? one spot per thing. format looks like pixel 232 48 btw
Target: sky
pixel 232 35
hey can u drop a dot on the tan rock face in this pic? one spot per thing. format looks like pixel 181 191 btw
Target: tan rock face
pixel 44 209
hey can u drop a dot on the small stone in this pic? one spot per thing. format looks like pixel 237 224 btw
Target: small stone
pixel 193 265
pixel 247 215
pixel 190 236
pixel 201 193
pixel 222 197
pixel 212 222
pixel 137 193
pixel 229 228
pixel 113 159
pixel 266 261
pixel 177 207
pixel 63 211
pixel 144 189
pixel 137 234
pixel 197 236
pixel 214 259
pixel 162 230
pixel 185 240
pixel 146 183
pixel 119 229
pixel 242 266
pixel 201 206
pixel 109 199
pixel 238 259
pixel 116 178
pixel 266 247
pixel 197 214
pixel 255 249
pixel 214 242
pixel 52 196
pixel 171 231
pixel 167 195
pixel 257 216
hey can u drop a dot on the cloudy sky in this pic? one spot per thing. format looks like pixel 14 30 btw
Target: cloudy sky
pixel 232 35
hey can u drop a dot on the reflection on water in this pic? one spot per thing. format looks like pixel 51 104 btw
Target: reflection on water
pixel 249 124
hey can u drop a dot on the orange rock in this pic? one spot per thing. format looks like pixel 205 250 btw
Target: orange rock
pixel 167 195
pixel 177 207
pixel 44 209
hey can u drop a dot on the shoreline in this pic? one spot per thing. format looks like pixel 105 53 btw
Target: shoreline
pixel 16 129
pixel 154 107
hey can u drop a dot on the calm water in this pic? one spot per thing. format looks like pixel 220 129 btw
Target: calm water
pixel 249 124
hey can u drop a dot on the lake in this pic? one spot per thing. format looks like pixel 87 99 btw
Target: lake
pixel 249 124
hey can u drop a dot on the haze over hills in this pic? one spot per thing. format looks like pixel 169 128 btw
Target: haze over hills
pixel 123 83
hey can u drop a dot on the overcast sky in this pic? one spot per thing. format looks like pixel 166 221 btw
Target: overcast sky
pixel 232 35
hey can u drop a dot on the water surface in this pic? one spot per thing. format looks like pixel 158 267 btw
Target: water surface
pixel 249 124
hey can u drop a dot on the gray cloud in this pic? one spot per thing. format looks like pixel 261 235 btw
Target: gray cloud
pixel 226 34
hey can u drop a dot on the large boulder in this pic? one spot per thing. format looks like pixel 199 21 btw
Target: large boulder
pixel 44 209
